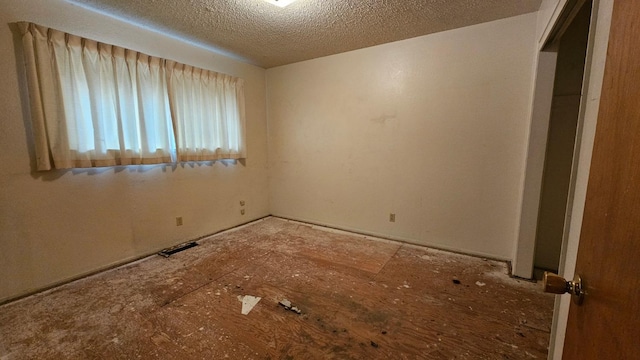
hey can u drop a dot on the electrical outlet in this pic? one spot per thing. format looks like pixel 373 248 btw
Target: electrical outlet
pixel 242 212
pixel 241 202
pixel 392 217
pixel 179 221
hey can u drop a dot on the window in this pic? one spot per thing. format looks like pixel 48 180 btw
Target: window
pixel 208 112
pixel 95 104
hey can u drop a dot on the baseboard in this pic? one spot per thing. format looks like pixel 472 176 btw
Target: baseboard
pixel 116 264
pixel 393 238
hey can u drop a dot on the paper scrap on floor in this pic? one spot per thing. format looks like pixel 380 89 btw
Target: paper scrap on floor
pixel 248 302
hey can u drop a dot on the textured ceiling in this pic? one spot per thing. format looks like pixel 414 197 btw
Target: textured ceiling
pixel 268 36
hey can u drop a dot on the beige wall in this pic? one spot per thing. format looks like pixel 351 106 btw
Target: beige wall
pixel 61 224
pixel 432 129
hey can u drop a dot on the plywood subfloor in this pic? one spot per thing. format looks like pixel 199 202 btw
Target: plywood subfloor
pixel 360 298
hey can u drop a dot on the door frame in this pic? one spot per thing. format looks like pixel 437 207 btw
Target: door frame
pixel 524 252
pixel 594 72
pixel 592 85
pixel 563 15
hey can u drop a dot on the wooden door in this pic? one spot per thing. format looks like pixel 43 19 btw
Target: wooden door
pixel 607 324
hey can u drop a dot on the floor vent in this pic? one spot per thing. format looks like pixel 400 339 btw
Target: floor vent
pixel 174 249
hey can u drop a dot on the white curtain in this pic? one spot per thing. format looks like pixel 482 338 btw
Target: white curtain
pixel 208 112
pixel 95 104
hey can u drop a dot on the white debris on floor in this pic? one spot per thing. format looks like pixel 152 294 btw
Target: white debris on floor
pixel 288 306
pixel 248 302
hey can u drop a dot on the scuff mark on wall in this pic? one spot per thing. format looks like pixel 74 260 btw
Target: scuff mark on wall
pixel 383 119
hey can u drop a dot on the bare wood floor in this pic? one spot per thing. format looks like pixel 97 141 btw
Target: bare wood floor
pixel 359 298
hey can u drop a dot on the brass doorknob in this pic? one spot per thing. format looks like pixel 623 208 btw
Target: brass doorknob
pixel 556 284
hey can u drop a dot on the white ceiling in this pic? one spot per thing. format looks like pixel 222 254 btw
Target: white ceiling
pixel 268 36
